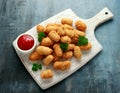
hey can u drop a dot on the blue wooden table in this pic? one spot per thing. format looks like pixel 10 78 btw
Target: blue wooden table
pixel 100 75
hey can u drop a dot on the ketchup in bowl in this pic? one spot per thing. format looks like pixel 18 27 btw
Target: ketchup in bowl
pixel 25 42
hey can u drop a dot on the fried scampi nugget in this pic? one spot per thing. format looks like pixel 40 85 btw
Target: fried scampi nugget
pixel 67 55
pixel 60 31
pixel 34 56
pixel 54 24
pixel 70 33
pixel 80 25
pixel 42 50
pixel 66 39
pixel 86 47
pixel 71 46
pixel 67 21
pixel 57 50
pixel 74 40
pixel 55 58
pixel 77 52
pixel 78 33
pixel 53 35
pixel 46 74
pixel 50 28
pixel 65 26
pixel 48 59
pixel 62 65
pixel 40 28
pixel 46 42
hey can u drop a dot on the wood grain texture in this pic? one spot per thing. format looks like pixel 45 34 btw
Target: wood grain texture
pixel 100 75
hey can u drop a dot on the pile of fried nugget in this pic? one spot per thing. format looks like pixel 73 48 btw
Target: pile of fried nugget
pixel 49 49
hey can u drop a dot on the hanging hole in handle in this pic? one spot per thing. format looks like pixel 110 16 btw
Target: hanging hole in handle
pixel 106 13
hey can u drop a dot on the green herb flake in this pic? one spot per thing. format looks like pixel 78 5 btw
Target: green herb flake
pixel 64 46
pixel 82 40
pixel 36 66
pixel 41 35
pixel 40 66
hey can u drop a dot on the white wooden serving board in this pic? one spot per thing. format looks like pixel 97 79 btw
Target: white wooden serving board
pixel 92 23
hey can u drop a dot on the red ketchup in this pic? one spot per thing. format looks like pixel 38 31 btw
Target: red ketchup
pixel 25 42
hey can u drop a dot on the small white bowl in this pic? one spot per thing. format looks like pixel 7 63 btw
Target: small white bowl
pixel 29 50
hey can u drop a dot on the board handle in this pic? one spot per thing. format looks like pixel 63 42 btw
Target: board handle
pixel 101 17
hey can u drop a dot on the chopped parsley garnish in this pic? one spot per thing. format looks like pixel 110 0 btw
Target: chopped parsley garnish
pixel 41 35
pixel 64 46
pixel 36 66
pixel 82 40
